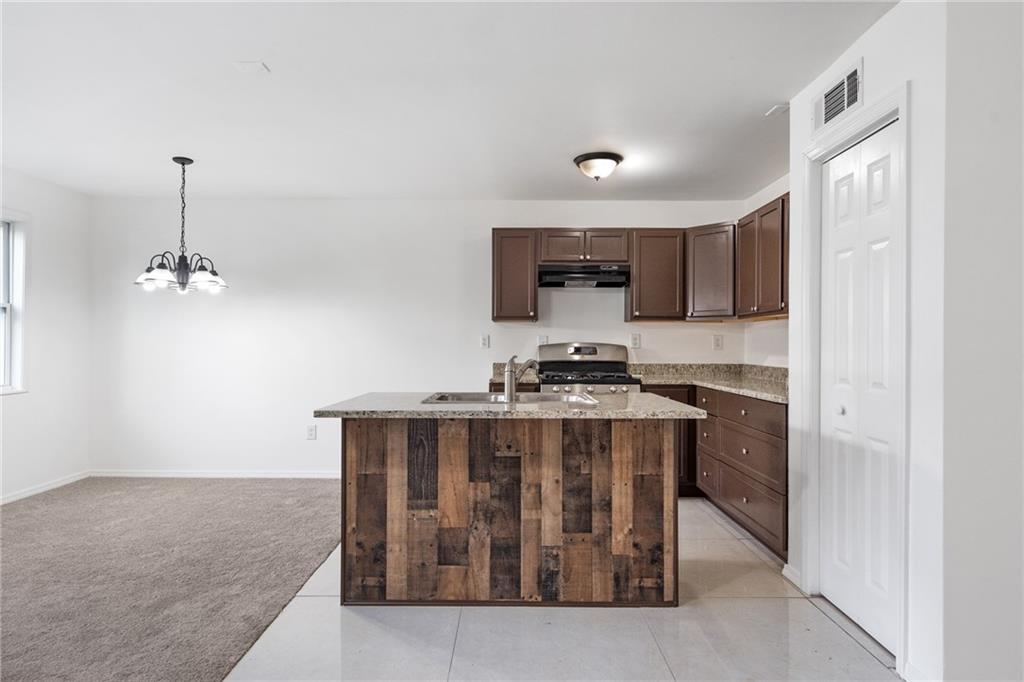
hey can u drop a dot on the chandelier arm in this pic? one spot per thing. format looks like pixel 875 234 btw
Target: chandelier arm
pixel 195 260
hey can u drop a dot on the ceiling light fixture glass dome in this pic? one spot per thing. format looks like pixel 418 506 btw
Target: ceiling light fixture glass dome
pixel 598 165
pixel 181 273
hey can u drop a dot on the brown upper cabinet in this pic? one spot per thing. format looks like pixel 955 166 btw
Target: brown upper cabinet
pixel 656 278
pixel 595 246
pixel 710 280
pixel 762 260
pixel 514 274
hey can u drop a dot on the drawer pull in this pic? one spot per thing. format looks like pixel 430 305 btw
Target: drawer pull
pixel 744 451
pixel 746 501
pixel 703 400
pixel 743 413
pixel 705 434
pixel 705 474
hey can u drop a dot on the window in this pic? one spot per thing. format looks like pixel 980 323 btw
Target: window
pixel 11 297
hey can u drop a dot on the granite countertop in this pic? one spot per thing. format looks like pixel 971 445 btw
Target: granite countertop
pixel 754 381
pixel 411 406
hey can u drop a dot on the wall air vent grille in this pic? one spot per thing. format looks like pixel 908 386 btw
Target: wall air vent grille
pixel 839 98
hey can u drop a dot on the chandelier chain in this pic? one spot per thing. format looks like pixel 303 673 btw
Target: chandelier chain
pixel 182 248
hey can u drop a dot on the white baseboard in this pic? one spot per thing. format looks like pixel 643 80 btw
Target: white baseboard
pixel 204 473
pixel 793 575
pixel 43 487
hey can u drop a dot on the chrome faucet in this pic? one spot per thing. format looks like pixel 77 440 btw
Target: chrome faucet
pixel 512 377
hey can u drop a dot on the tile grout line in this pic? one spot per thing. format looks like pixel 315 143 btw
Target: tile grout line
pixel 658 644
pixel 455 642
pixel 859 643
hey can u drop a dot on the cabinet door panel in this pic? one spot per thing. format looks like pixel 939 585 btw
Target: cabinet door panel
pixel 561 246
pixel 607 246
pixel 710 260
pixel 656 287
pixel 514 275
pixel 769 257
pixel 746 265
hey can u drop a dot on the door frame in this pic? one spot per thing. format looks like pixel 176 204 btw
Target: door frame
pixel 805 435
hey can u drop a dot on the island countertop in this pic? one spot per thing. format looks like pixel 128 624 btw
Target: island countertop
pixel 411 406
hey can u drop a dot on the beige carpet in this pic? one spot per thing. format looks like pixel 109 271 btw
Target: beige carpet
pixel 154 579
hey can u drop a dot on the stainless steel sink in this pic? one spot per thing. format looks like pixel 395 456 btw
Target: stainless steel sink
pixel 525 398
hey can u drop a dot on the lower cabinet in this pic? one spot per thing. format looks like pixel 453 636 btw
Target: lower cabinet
pixel 685 437
pixel 742 463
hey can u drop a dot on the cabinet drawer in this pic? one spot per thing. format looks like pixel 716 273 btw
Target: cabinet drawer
pixel 757 414
pixel 707 399
pixel 707 434
pixel 761 510
pixel 707 473
pixel 756 454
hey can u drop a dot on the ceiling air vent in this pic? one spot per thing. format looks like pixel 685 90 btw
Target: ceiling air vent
pixel 839 98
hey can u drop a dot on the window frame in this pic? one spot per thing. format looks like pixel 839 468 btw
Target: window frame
pixel 12 298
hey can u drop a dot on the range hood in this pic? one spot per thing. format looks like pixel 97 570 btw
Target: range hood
pixel 583 276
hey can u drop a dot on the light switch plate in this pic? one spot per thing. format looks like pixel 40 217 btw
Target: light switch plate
pixel 311 432
pixel 717 342
pixel 542 339
pixel 634 340
pixel 485 340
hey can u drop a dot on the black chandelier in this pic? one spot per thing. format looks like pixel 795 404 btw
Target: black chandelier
pixel 182 273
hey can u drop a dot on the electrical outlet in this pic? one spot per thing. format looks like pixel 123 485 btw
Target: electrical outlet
pixel 311 432
pixel 717 342
pixel 485 340
pixel 542 339
pixel 634 340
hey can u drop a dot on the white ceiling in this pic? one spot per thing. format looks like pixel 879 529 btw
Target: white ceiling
pixel 452 101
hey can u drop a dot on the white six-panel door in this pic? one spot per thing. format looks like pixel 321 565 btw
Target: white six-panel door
pixel 862 382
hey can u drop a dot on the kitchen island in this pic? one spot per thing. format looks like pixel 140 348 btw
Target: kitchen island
pixel 548 503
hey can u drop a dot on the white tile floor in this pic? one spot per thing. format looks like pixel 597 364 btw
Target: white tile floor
pixel 738 619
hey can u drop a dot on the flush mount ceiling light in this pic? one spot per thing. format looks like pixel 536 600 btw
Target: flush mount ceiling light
pixel 598 165
pixel 183 273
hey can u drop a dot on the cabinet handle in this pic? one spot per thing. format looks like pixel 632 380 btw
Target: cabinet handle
pixel 746 501
pixel 705 434
pixel 588 256
pixel 705 474
pixel 744 451
pixel 755 308
pixel 703 400
pixel 636 313
pixel 743 413
pixel 581 256
pixel 531 312
pixel 782 305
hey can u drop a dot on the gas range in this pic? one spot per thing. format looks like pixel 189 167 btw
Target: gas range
pixel 580 367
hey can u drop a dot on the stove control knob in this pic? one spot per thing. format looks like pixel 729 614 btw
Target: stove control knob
pixel 624 389
pixel 613 389
pixel 556 389
pixel 590 389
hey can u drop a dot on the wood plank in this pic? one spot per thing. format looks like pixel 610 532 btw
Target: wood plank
pixel 670 503
pixel 648 537
pixel 504 568
pixel 577 442
pixel 371 536
pixel 622 488
pixel 551 483
pixel 398 516
pixel 577 567
pixel 423 554
pixel 601 500
pixel 422 467
pixel 504 515
pixel 551 574
pixel 647 443
pixel 350 449
pixel 622 580
pixel 453 473
pixel 530 504
pixel 479 540
pixel 508 437
pixel 481 449
pixel 453 547
pixel 372 439
pixel 453 583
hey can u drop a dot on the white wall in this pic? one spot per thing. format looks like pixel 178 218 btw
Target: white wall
pixel 45 431
pixel 329 299
pixel 907 44
pixel 984 632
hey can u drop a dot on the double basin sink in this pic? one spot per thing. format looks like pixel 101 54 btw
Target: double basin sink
pixel 524 398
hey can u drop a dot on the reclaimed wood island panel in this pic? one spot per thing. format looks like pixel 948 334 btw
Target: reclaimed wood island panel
pixel 568 508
